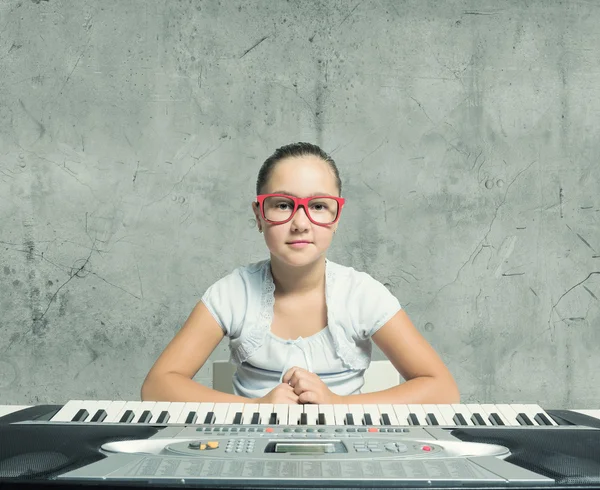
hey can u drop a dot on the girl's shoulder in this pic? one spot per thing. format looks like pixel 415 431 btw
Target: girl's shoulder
pixel 350 278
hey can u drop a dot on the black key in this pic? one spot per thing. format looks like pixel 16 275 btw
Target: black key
pixel 163 418
pixel 255 418
pixel 431 419
pixel 459 419
pixel 145 417
pixel 191 418
pixel 349 419
pixel 209 419
pixel 385 419
pixel 523 419
pixel 477 419
pixel 367 420
pixel 495 419
pixel 80 416
pixel 413 419
pixel 541 419
pixel 303 419
pixel 99 416
pixel 127 417
pixel 273 419
pixel 321 419
pixel 238 418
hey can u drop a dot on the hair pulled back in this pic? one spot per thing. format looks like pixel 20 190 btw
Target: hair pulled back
pixel 294 150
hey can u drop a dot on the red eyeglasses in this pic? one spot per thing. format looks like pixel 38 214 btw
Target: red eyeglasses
pixel 280 208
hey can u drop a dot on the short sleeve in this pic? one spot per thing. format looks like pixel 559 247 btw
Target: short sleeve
pixel 227 301
pixel 376 305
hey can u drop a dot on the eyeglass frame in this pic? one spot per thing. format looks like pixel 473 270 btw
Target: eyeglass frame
pixel 299 201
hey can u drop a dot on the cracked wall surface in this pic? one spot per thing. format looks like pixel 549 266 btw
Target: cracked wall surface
pixel 131 134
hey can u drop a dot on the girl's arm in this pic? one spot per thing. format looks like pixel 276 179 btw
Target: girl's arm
pixel 170 379
pixel 427 378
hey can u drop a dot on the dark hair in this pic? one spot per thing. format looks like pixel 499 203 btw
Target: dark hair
pixel 294 150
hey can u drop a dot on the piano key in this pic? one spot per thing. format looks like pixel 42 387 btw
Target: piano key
pixel 431 419
pixel 68 411
pixel 385 419
pixel 447 414
pixel 126 417
pixel 145 418
pixel 220 411
pixel 367 419
pixel 477 419
pixel 192 417
pixel 460 420
pixel 533 410
pixel 430 408
pixel 542 419
pixel 185 411
pixel 249 410
pixel 494 415
pixel 281 409
pixel 419 412
pixel 209 419
pixel 401 412
pixel 312 414
pixel 81 415
pixel 357 413
pixel 387 409
pixel 163 417
pixel 273 420
pixel 99 416
pixel 509 415
pixel 157 409
pixel 340 410
pixel 462 409
pixel 203 409
pixel 321 419
pixel 478 415
pixel 255 420
pixel 113 410
pixel 373 411
pixel 525 414
pixel 303 419
pixel 294 412
pixel 265 410
pixel 413 419
pixel 523 419
pixel 350 419
pixel 232 413
pixel 329 413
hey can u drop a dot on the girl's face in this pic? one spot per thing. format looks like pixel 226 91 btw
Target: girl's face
pixel 300 177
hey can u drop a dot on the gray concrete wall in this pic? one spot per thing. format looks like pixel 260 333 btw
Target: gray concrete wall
pixel 466 133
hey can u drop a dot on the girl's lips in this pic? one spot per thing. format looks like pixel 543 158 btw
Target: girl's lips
pixel 298 244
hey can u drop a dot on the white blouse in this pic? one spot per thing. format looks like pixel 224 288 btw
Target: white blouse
pixel 357 306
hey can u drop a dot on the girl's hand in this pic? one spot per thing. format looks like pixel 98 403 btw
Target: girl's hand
pixel 309 387
pixel 282 393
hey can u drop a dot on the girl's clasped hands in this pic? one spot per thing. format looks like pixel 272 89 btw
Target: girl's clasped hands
pixel 299 386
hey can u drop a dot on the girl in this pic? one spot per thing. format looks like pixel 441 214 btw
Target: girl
pixel 300 326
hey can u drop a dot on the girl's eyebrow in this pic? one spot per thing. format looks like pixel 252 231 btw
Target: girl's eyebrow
pixel 310 195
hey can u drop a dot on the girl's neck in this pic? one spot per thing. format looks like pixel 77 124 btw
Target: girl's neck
pixel 291 280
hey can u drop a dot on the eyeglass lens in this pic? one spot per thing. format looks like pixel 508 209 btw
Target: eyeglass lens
pixel 322 210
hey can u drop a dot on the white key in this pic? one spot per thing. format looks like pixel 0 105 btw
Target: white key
pixel 402 412
pixel 537 409
pixel 464 411
pixel 202 411
pixel 220 411
pixel 490 408
pixel 148 405
pixel 249 409
pixel 173 409
pixel 389 410
pixel 509 414
pixel 281 409
pixel 433 409
pixel 68 411
pixel 373 411
pixel 447 413
pixel 340 411
pixel 357 413
pixel 531 410
pixel 95 407
pixel 113 410
pixel 475 408
pixel 294 412
pixel 265 410
pixel 129 406
pixel 312 414
pixel 232 410
pixel 419 412
pixel 186 409
pixel 329 413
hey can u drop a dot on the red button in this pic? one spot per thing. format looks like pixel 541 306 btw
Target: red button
pixel 269 429
pixel 372 429
pixel 426 448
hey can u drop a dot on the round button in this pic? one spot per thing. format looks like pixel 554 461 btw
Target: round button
pixel 426 448
pixel 372 429
pixel 269 429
